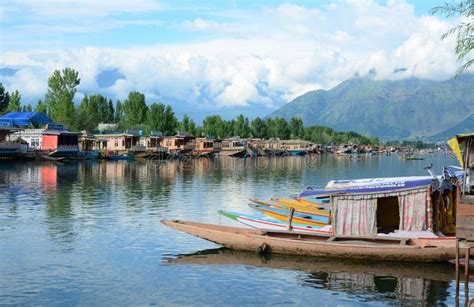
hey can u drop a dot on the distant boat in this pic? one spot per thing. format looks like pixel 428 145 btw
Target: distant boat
pixel 53 159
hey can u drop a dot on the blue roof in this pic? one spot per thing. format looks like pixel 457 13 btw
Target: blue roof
pixel 24 119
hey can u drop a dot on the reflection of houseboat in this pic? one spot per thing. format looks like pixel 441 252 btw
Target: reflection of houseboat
pixel 9 148
pixel 232 148
pixel 181 143
pixel 206 147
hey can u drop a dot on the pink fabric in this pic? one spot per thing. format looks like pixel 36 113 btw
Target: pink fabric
pixel 413 211
pixel 355 216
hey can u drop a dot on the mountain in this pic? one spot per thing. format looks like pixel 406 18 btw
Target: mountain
pixel 406 108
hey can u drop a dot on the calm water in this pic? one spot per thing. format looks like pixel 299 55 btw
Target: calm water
pixel 90 233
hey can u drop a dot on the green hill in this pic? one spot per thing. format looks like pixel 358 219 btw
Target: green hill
pixel 389 109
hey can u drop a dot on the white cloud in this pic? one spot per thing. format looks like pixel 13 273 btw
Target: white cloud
pixel 276 55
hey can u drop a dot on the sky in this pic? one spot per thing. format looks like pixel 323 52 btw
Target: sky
pixel 219 57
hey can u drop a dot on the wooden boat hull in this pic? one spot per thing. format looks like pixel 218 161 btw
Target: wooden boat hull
pixel 314 245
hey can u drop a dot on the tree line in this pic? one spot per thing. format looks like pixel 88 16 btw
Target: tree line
pixel 134 113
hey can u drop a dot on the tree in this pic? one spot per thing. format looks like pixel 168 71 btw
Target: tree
pixel 4 99
pixel 282 130
pixel 296 128
pixel 161 118
pixel 241 127
pixel 27 108
pixel 14 103
pixel 214 126
pixel 187 125
pixel 41 107
pixel 134 110
pixel 464 32
pixel 109 114
pixel 59 98
pixel 118 112
pixel 259 128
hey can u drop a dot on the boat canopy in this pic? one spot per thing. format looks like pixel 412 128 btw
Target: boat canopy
pixel 17 119
pixel 375 187
pixel 368 214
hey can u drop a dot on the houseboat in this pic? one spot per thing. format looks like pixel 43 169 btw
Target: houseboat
pixel 206 147
pixel 181 143
pixel 295 147
pixel 233 148
pixel 91 147
pixel 60 143
pixel 12 148
pixel 123 145
pixel 154 145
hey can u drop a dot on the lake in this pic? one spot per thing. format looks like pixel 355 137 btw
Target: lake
pixel 89 233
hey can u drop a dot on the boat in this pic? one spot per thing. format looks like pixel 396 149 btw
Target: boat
pixel 303 205
pixel 272 224
pixel 415 223
pixel 53 159
pixel 117 156
pixel 299 217
pixel 320 245
pixel 233 148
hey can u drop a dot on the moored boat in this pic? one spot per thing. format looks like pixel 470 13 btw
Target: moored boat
pixel 304 244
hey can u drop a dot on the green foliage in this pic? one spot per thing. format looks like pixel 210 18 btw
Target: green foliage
pixel 296 128
pixel 27 108
pixel 464 32
pixel 161 118
pixel 14 103
pixel 93 110
pixel 118 112
pixel 241 127
pixel 259 128
pixel 188 125
pixel 134 110
pixel 214 126
pixel 59 98
pixel 41 107
pixel 4 99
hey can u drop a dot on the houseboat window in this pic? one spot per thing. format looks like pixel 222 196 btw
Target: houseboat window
pixel 388 214
pixel 116 142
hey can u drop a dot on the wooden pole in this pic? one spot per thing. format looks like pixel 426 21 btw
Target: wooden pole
pixel 466 273
pixel 457 268
pixel 291 212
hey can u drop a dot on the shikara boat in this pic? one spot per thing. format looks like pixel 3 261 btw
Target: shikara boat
pixel 299 217
pixel 303 206
pixel 53 159
pixel 271 224
pixel 321 245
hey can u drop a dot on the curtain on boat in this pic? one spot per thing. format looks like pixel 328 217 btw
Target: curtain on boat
pixel 355 215
pixel 413 210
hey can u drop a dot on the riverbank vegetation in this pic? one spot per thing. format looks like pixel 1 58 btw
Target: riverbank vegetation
pixel 135 113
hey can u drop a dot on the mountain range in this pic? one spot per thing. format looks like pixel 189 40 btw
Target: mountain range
pixel 390 109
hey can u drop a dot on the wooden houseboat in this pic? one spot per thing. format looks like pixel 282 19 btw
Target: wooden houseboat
pixel 295 147
pixel 125 144
pixel 154 145
pixel 233 148
pixel 12 148
pixel 181 143
pixel 207 147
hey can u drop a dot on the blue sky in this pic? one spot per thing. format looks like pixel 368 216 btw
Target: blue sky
pixel 218 56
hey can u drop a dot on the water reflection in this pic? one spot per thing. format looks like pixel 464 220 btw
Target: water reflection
pixel 404 283
pixel 96 226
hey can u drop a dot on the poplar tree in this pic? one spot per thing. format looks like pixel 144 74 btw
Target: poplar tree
pixel 59 98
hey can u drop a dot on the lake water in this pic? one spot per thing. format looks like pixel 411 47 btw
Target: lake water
pixel 90 233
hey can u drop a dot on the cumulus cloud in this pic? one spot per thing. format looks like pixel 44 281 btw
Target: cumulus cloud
pixel 264 58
